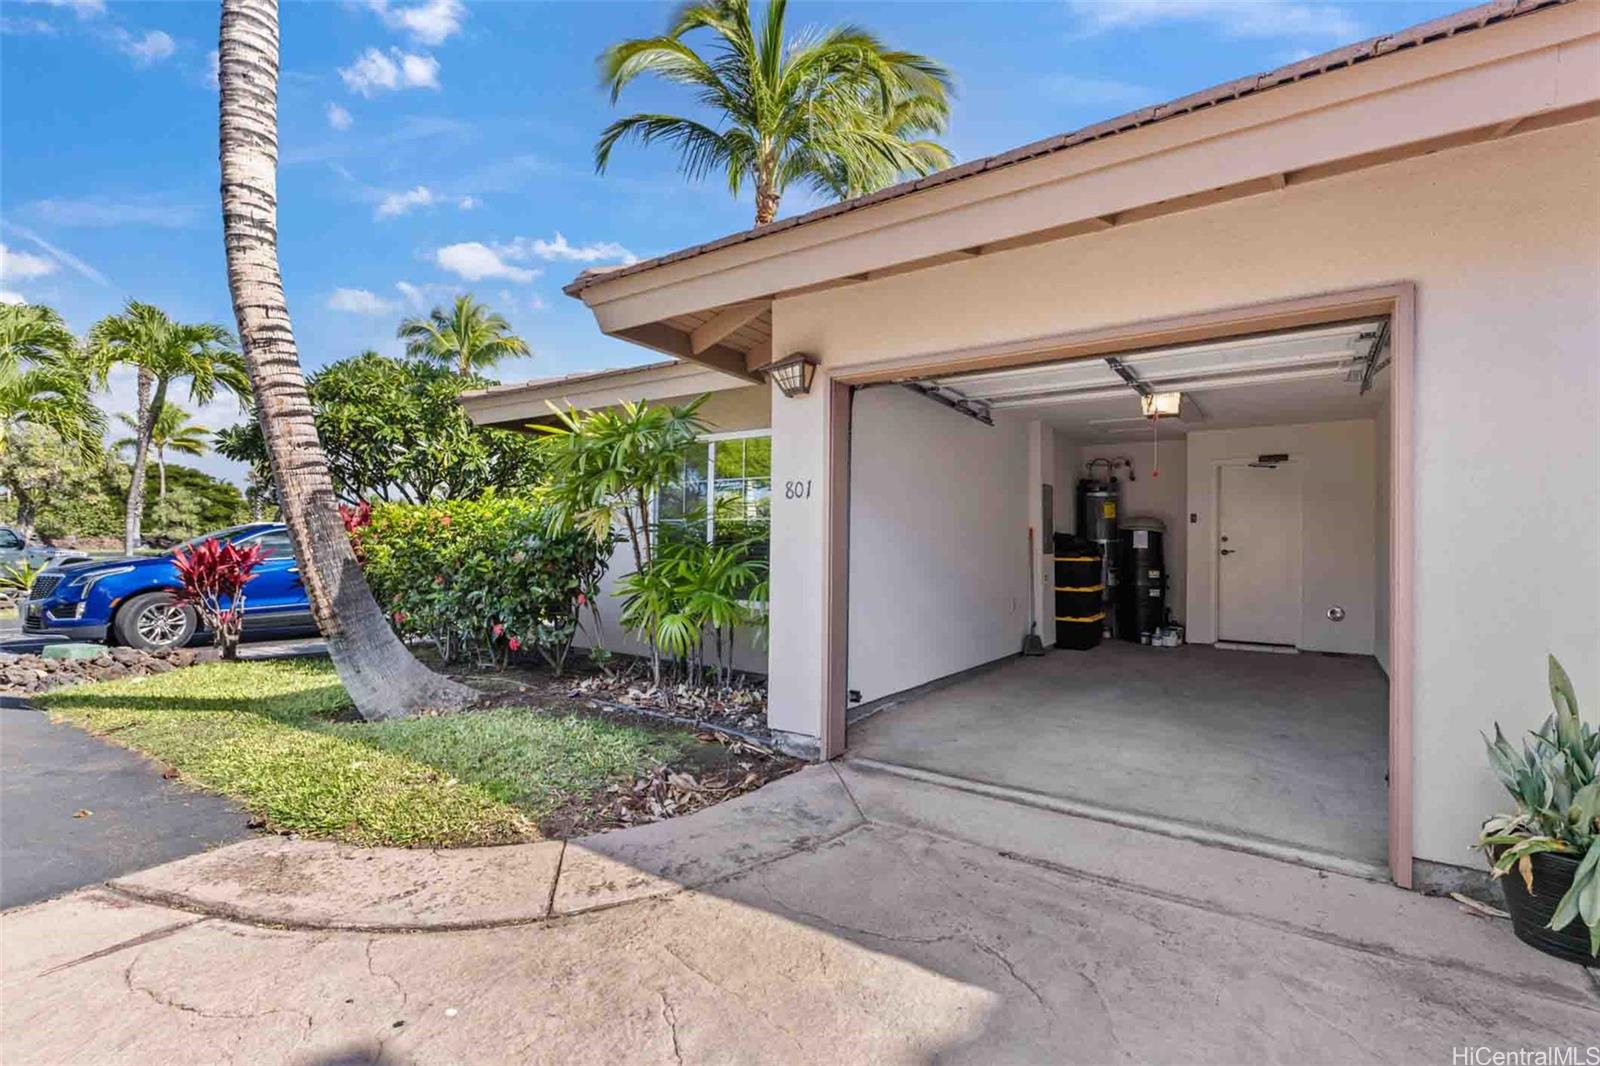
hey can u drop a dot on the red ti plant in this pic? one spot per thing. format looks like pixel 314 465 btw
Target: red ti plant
pixel 214 574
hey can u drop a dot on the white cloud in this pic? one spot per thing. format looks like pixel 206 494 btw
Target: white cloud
pixel 339 118
pixel 58 254
pixel 1231 18
pixel 100 212
pixel 419 72
pixel 81 8
pixel 146 50
pixel 398 203
pixel 474 262
pixel 26 26
pixel 467 203
pixel 561 250
pixel 213 69
pixel 359 302
pixel 21 266
pixel 9 297
pixel 431 22
pixel 1104 92
pixel 375 71
pixel 420 297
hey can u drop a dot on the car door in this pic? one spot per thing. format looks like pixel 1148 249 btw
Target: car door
pixel 275 597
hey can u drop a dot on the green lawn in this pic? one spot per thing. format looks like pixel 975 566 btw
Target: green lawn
pixel 265 732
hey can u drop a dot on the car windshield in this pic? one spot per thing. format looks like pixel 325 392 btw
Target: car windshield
pixel 224 534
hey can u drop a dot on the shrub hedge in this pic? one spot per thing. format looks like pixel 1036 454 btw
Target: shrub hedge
pixel 482 578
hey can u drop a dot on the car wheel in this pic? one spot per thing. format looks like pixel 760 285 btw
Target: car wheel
pixel 154 621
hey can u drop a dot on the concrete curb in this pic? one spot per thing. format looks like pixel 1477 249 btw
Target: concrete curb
pixel 316 885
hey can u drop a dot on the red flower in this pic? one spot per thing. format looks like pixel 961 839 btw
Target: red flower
pixel 399 617
pixel 444 520
pixel 498 629
pixel 583 601
pixel 438 581
pixel 513 643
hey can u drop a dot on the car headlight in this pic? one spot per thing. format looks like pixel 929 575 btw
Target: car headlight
pixel 85 582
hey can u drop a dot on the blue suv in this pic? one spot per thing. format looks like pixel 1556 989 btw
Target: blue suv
pixel 133 600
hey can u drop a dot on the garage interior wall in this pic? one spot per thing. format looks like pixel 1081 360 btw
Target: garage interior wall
pixel 1383 512
pixel 939 509
pixel 1501 240
pixel 1338 511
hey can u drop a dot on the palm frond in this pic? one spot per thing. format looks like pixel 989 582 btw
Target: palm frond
pixel 700 147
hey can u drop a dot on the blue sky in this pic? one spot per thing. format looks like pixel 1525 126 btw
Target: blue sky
pixel 432 146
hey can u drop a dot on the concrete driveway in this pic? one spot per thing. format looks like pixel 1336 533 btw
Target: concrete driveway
pixel 835 916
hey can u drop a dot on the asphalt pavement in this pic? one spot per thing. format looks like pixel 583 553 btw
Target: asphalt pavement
pixel 131 817
pixel 76 810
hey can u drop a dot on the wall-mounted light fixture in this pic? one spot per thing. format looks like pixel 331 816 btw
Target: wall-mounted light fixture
pixel 792 374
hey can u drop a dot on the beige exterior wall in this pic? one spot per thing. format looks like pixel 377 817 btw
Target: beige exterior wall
pixel 1502 240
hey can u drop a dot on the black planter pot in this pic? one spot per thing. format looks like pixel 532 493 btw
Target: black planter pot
pixel 1531 911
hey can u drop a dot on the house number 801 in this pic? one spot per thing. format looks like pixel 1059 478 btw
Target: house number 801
pixel 797 490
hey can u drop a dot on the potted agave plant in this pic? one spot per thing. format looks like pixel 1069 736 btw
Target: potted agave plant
pixel 1552 839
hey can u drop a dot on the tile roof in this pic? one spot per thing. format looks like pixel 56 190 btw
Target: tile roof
pixel 1472 18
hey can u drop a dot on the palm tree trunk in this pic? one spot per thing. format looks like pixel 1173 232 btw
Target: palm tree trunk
pixel 141 458
pixel 766 204
pixel 161 467
pixel 379 673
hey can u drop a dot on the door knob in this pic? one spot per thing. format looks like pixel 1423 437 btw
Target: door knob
pixel 1227 551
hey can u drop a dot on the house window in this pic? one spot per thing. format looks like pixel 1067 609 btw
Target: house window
pixel 723 490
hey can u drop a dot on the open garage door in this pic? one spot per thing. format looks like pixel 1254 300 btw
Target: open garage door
pixel 1235 495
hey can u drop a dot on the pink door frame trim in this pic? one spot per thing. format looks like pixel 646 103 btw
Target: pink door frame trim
pixel 1397 300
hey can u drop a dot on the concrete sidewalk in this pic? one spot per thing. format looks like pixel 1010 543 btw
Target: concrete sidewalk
pixel 837 915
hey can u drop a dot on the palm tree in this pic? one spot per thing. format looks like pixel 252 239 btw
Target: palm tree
pixel 41 380
pixel 838 111
pixel 163 352
pixel 172 432
pixel 380 675
pixel 469 337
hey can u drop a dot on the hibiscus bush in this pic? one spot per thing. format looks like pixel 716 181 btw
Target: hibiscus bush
pixel 482 579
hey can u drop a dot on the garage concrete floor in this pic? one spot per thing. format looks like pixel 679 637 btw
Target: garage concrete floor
pixel 1289 750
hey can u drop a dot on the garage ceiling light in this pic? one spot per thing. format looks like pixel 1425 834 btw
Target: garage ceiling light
pixel 1161 404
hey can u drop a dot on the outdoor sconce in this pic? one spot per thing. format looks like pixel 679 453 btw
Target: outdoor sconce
pixel 792 374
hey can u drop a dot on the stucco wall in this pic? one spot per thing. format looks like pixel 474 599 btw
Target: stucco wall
pixel 938 550
pixel 1503 242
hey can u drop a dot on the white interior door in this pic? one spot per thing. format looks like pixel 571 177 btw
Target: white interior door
pixel 1258 554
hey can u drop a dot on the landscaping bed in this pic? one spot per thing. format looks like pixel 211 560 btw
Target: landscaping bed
pixel 738 710
pixel 282 738
pixel 22 674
